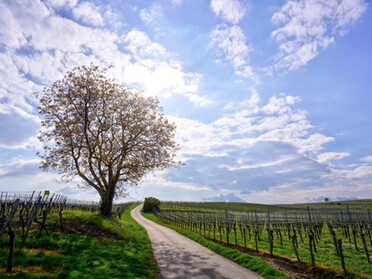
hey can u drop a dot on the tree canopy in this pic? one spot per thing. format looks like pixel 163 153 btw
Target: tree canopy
pixel 99 130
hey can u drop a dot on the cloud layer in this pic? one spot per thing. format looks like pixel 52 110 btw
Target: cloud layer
pixel 308 26
pixel 202 60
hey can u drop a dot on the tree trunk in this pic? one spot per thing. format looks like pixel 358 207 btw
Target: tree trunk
pixel 106 204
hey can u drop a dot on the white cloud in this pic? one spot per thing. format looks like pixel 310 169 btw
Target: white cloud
pixel 195 137
pixel 361 172
pixel 88 13
pixel 30 143
pixel 229 41
pixel 251 138
pixel 34 56
pixel 163 182
pixel 231 44
pixel 246 123
pixel 15 88
pixel 308 26
pixel 19 128
pixel 47 56
pixel 293 193
pixel 230 10
pixel 270 163
pixel 329 156
pixel 246 72
pixel 150 14
pixel 176 2
pixel 366 159
pixel 18 166
pixel 141 46
pixel 247 107
pixel 280 105
pixel 157 71
pixel 357 172
pixel 224 198
pixel 268 146
pixel 11 26
pixel 61 3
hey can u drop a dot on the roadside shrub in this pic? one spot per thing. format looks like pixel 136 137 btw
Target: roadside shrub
pixel 151 203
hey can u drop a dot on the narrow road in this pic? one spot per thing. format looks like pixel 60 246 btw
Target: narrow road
pixel 180 257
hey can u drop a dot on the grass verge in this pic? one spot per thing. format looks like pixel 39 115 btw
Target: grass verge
pixel 127 255
pixel 251 262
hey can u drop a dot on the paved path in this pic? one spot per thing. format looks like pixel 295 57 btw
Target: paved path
pixel 180 257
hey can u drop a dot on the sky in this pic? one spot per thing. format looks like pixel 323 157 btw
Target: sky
pixel 272 99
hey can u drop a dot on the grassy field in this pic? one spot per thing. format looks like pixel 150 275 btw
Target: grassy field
pixel 121 250
pixel 218 206
pixel 241 207
pixel 325 257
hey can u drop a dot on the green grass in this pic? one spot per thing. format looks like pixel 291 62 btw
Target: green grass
pixel 236 206
pixel 218 206
pixel 76 256
pixel 251 262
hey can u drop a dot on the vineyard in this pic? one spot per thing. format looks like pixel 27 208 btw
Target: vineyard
pixel 22 213
pixel 338 238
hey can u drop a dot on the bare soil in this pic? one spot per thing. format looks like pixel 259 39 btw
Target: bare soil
pixel 29 269
pixel 80 227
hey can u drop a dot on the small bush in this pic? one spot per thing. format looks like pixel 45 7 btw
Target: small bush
pixel 151 203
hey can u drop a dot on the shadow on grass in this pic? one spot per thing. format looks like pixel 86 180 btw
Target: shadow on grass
pixel 79 256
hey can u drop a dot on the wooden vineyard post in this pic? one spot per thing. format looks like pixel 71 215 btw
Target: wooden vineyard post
pixel 245 237
pixel 204 221
pixel 227 227
pixel 249 227
pixel 189 222
pixel 280 236
pixel 256 232
pixel 34 210
pixel 298 228
pixel 288 225
pixel 60 218
pixel 294 246
pixel 270 233
pixel 352 228
pixel 42 223
pixel 370 226
pixel 220 230
pixel 339 246
pixel 295 235
pixel 214 229
pixel 365 245
pixel 256 238
pixel 271 242
pixel 12 237
pixel 235 236
pixel 345 227
pixel 240 228
pixel 9 216
pixel 331 230
pixel 257 226
pixel 311 238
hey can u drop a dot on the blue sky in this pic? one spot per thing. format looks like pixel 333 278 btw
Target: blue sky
pixel 271 98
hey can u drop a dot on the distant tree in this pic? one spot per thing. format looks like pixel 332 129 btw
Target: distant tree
pixel 150 204
pixel 108 135
pixel 326 199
